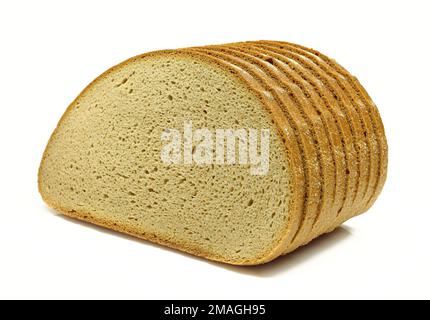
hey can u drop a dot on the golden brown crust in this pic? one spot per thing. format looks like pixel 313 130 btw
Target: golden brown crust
pixel 295 166
pixel 378 128
pixel 340 131
pixel 358 124
pixel 378 143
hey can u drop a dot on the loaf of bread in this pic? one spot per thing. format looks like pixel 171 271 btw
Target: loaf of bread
pixel 237 153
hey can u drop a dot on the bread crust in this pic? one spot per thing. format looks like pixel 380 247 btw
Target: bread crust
pixel 294 163
pixel 344 103
pixel 377 124
pixel 378 143
pixel 339 132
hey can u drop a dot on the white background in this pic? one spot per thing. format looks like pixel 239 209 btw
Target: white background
pixel 50 50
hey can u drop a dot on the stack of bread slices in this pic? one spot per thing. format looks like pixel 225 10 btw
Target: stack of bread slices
pixel 327 156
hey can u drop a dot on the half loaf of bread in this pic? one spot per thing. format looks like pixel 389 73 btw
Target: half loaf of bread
pixel 169 146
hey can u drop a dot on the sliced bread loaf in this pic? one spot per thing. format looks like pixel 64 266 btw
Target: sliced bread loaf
pixel 237 153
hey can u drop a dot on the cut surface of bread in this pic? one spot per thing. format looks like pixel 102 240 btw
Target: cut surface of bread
pixel 103 161
pixel 170 147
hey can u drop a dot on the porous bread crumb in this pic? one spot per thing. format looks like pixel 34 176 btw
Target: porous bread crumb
pixel 104 160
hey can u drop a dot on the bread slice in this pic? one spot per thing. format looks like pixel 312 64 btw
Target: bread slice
pixel 122 157
pixel 103 164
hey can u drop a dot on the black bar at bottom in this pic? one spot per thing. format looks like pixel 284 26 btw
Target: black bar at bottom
pixel 214 309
